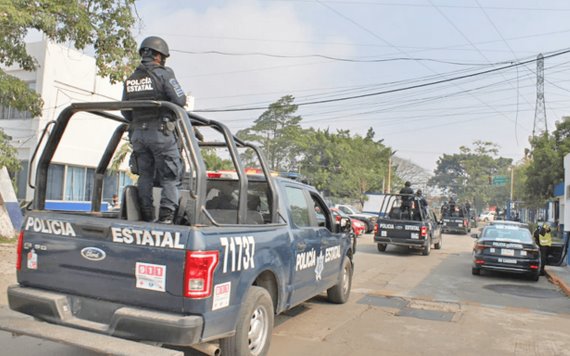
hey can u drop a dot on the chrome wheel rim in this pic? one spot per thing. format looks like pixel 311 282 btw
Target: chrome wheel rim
pixel 258 329
pixel 345 280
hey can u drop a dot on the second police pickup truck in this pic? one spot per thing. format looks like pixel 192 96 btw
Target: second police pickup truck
pixel 457 220
pixel 218 275
pixel 401 222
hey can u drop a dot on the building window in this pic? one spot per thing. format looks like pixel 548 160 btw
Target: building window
pixel 54 189
pixel 75 183
pixel 10 113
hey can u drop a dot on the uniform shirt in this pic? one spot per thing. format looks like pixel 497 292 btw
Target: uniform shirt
pixel 151 81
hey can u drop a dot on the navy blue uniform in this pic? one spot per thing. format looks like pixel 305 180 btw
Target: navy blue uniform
pixel 155 148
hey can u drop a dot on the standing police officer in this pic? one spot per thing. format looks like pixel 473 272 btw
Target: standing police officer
pixel 151 131
pixel 543 236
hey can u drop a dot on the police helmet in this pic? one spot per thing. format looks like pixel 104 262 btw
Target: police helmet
pixel 408 184
pixel 419 192
pixel 156 44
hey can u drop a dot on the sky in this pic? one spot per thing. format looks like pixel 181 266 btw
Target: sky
pixel 428 76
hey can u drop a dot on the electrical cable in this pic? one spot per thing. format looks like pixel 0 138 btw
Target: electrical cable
pixel 383 92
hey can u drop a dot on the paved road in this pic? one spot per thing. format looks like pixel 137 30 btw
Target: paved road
pixel 407 304
pixel 404 303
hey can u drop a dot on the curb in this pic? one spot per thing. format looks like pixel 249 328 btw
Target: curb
pixel 553 278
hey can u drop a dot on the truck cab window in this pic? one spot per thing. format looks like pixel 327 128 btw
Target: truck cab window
pixel 299 206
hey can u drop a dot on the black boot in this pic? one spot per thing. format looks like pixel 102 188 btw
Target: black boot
pixel 166 216
pixel 148 214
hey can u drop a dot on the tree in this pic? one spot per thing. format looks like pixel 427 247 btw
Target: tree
pixel 104 24
pixel 545 166
pixel 342 164
pixel 8 154
pixel 277 131
pixel 465 174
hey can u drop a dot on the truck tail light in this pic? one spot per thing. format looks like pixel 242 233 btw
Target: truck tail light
pixel 533 266
pixel 423 231
pixel 375 228
pixel 465 223
pixel 19 251
pixel 199 273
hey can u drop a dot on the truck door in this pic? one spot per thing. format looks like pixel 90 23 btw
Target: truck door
pixel 306 245
pixel 332 247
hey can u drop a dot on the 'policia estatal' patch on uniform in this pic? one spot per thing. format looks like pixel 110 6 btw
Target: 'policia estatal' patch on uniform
pixel 136 85
pixel 177 89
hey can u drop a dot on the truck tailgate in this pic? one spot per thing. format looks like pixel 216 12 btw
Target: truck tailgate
pixel 399 229
pixel 114 260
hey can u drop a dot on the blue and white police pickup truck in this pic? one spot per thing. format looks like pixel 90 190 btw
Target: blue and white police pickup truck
pixel 404 221
pixel 243 248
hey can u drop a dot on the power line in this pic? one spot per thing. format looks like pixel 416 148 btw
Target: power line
pixel 383 92
pixel 332 58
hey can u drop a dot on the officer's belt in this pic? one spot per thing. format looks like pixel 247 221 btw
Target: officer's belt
pixel 150 124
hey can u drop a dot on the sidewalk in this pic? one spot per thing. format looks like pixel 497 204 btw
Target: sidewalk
pixel 559 276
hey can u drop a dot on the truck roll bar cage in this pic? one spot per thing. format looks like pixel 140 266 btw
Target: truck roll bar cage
pixel 190 150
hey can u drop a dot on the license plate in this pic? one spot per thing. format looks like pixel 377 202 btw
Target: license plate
pixel 415 235
pixel 507 252
pixel 507 260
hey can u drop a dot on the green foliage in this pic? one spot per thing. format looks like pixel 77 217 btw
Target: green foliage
pixel 215 163
pixel 546 164
pixel 8 154
pixel 341 164
pixel 104 24
pixel 465 174
pixel 277 131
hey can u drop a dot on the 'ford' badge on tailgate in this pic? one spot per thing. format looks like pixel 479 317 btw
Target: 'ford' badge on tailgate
pixel 93 253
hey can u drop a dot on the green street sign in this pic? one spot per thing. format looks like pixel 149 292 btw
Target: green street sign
pixel 499 180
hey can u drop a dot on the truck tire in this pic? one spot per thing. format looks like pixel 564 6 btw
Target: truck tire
pixel 254 326
pixel 475 271
pixel 427 247
pixel 438 244
pixel 382 247
pixel 354 238
pixel 340 292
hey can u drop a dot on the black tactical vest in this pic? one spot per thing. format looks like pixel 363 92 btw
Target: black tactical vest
pixel 144 85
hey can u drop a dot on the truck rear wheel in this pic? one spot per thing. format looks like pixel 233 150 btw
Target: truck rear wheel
pixel 340 292
pixel 427 247
pixel 254 326
pixel 382 247
pixel 438 244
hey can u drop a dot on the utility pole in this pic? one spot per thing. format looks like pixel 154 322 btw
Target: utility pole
pixel 388 188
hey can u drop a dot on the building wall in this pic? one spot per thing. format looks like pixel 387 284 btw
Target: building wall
pixel 565 201
pixel 63 76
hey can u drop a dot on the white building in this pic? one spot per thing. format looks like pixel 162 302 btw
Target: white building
pixel 63 76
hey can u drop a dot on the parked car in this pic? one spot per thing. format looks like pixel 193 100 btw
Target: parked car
pixel 368 219
pixel 487 216
pixel 506 246
pixel 358 226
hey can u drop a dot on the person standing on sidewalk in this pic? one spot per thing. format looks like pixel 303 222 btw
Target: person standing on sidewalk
pixel 543 236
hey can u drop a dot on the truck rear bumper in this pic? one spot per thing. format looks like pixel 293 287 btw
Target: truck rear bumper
pixel 106 318
pixel 418 243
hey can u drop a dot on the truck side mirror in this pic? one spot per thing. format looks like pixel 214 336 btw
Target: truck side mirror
pixel 344 225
